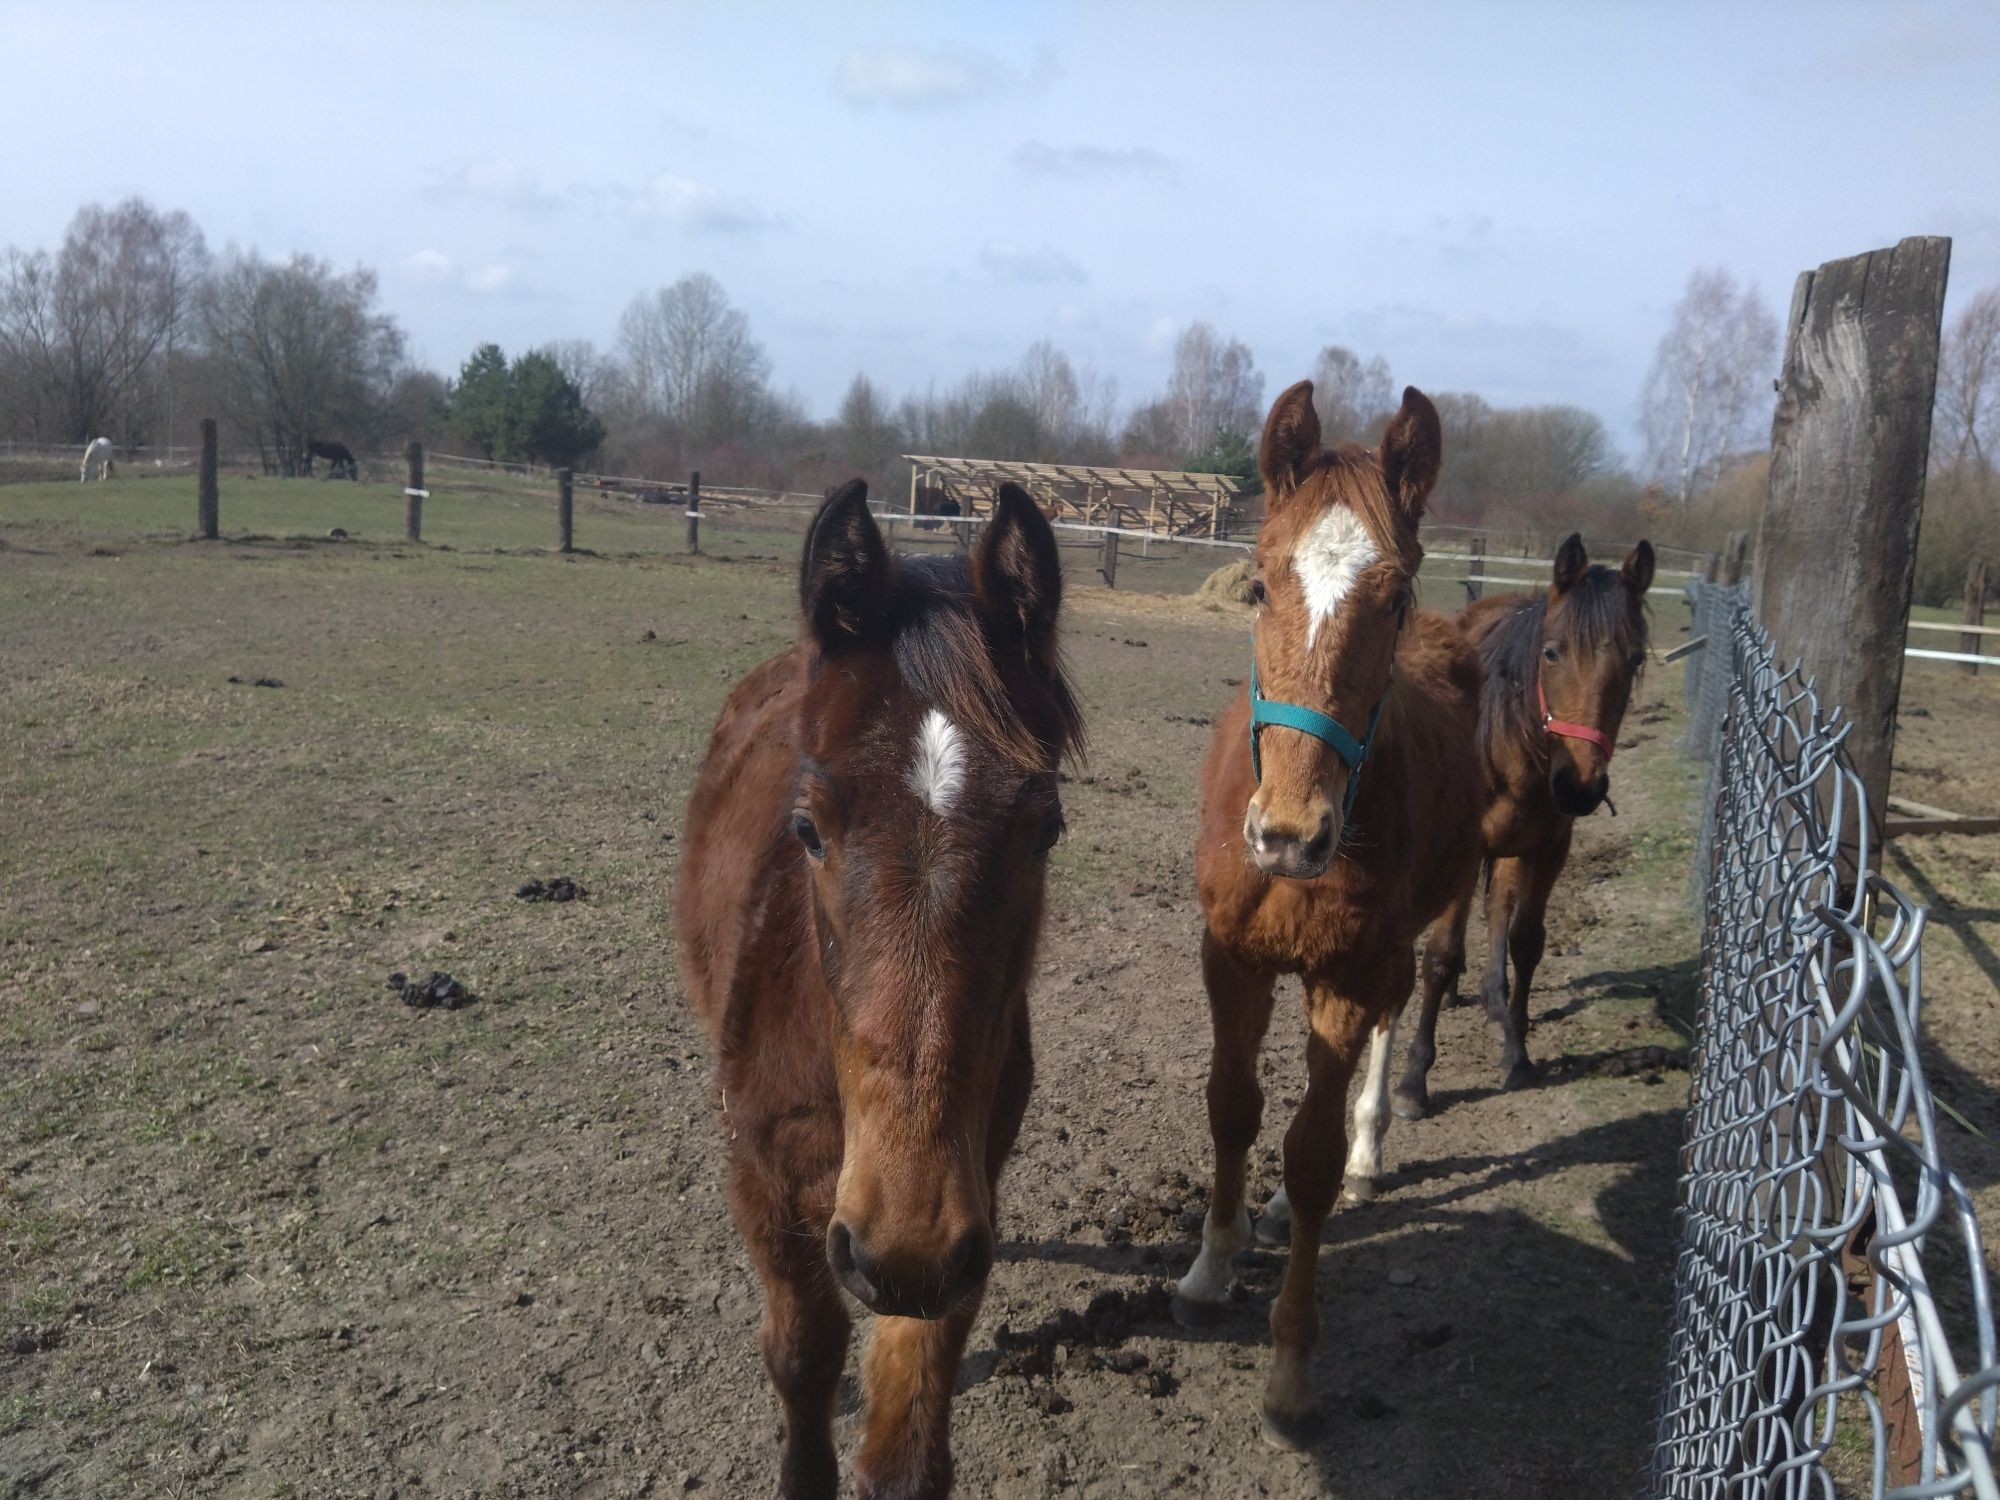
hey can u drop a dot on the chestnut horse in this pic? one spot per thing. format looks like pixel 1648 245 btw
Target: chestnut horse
pixel 1559 671
pixel 858 910
pixel 1340 816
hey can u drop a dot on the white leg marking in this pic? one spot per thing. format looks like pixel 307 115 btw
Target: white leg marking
pixel 1328 559
pixel 1371 1109
pixel 1279 1206
pixel 938 773
pixel 1207 1279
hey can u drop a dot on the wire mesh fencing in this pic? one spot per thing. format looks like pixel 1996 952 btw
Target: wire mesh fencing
pixel 1832 1331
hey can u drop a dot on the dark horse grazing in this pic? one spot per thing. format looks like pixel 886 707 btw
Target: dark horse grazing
pixel 858 910
pixel 340 460
pixel 1302 869
pixel 1559 672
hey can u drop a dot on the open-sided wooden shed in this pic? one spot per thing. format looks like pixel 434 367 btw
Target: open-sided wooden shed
pixel 1167 503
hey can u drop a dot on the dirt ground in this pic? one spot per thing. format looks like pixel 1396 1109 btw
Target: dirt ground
pixel 265 1230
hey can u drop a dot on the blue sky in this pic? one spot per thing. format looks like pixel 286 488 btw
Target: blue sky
pixel 1503 198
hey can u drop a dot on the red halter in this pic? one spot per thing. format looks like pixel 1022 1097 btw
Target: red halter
pixel 1568 731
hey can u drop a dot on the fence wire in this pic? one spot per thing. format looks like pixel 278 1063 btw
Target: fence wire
pixel 1829 1263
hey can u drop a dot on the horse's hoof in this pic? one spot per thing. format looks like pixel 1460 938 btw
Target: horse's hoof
pixel 1274 1231
pixel 1292 1431
pixel 1409 1106
pixel 1520 1076
pixel 1192 1314
pixel 1359 1190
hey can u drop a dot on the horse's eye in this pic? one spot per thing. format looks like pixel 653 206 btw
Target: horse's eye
pixel 1052 830
pixel 1549 653
pixel 1257 590
pixel 807 832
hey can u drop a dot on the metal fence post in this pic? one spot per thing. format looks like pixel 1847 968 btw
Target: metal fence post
pixel 565 504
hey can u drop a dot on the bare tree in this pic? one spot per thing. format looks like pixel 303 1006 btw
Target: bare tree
pixel 300 351
pixel 1351 396
pixel 1709 383
pixel 583 365
pixel 690 358
pixel 90 331
pixel 1966 424
pixel 1215 387
pixel 866 436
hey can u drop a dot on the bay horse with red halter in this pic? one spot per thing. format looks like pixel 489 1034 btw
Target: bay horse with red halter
pixel 1559 668
pixel 1339 818
pixel 858 909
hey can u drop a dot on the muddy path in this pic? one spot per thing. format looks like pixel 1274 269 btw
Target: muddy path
pixel 270 1231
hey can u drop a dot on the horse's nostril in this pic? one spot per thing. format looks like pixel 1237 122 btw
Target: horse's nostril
pixel 1322 841
pixel 970 1261
pixel 849 1261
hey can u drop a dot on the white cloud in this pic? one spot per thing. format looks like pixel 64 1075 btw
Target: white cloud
pixel 503 183
pixel 489 279
pixel 434 264
pixel 905 78
pixel 702 209
pixel 1022 265
pixel 1039 159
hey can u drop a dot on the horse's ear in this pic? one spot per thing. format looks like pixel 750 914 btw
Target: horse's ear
pixel 844 576
pixel 1017 574
pixel 1638 569
pixel 1571 560
pixel 1291 443
pixel 1412 453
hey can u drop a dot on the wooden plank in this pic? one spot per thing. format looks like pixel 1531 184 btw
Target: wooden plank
pixel 1911 809
pixel 1895 828
pixel 1685 648
pixel 1837 546
pixel 1957 630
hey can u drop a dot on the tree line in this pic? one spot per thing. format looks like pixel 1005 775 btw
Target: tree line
pixel 132 327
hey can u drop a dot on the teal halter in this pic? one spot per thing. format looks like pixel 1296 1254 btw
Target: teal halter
pixel 1323 727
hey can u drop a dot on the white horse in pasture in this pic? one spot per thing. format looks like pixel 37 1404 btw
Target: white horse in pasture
pixel 96 460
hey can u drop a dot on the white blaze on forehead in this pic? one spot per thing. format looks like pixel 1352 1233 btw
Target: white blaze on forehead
pixel 1328 559
pixel 938 773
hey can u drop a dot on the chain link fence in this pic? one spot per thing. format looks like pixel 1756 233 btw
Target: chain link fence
pixel 1832 1330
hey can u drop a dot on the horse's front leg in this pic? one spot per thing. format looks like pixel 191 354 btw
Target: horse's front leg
pixel 1443 962
pixel 1341 1013
pixel 804 1337
pixel 1525 941
pixel 909 1373
pixel 1239 1010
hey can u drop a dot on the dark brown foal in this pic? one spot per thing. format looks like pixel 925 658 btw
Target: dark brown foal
pixel 1559 672
pixel 858 912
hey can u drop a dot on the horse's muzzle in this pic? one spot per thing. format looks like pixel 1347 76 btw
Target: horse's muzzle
pixel 1578 798
pixel 1283 852
pixel 895 1290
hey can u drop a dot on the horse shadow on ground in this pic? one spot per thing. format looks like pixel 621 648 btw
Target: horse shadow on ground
pixel 1517 1351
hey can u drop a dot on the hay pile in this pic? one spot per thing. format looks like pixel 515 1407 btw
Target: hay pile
pixel 1229 584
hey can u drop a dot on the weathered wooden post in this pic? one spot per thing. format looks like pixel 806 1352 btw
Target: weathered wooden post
pixel 1711 567
pixel 1838 545
pixel 209 504
pixel 414 494
pixel 1735 553
pixel 1108 566
pixel 565 507
pixel 694 513
pixel 1975 613
pixel 1475 571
